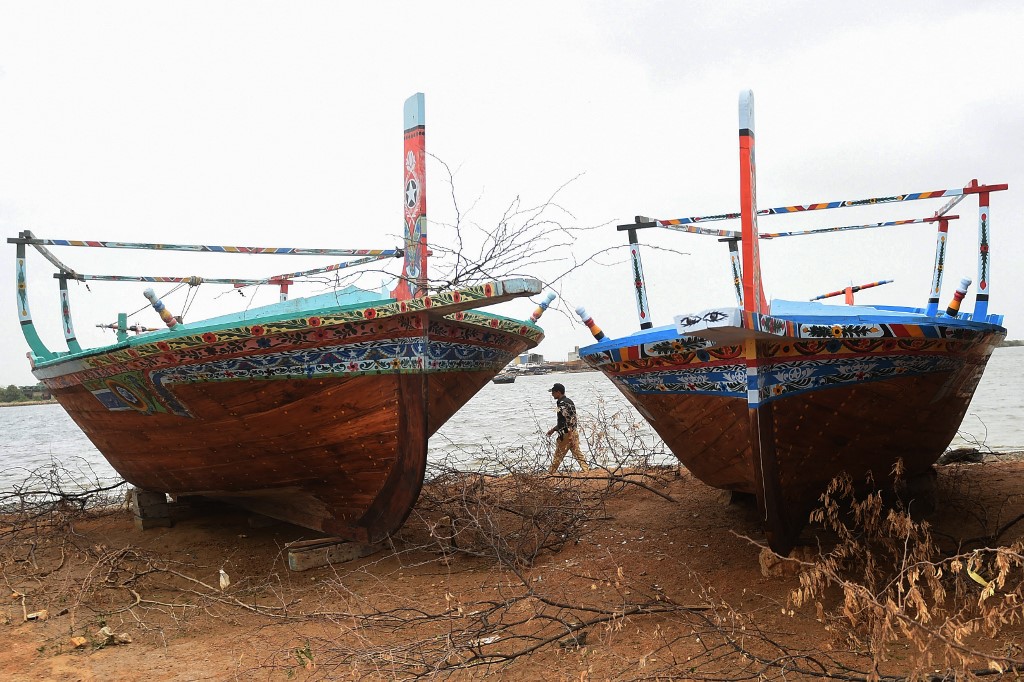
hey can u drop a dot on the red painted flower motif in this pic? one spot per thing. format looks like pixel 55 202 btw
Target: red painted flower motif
pixel 163 345
pixel 488 290
pixel 370 313
pixel 209 337
pixel 427 302
pixel 257 330
pixel 494 323
pixel 403 306
pixel 522 330
pixel 314 322
pixel 456 297
pixel 460 316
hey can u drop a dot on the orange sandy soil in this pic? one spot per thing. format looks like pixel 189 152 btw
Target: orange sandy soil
pixel 644 548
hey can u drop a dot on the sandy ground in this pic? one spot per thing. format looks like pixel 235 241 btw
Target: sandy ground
pixel 642 548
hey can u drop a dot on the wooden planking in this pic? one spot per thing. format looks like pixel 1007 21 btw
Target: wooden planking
pixel 401 489
pixel 344 455
pixel 859 429
pixel 817 434
pixel 707 433
pixel 327 466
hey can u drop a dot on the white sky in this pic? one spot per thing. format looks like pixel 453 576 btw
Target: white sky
pixel 280 124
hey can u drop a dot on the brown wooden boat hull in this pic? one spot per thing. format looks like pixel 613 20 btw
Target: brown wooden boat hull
pixel 907 407
pixel 341 450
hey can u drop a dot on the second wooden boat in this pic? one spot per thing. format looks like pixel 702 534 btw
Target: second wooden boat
pixel 775 400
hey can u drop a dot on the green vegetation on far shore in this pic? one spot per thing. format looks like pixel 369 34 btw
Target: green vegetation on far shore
pixel 22 395
pixel 1011 342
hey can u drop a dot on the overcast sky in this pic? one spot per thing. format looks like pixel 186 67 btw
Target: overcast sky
pixel 280 124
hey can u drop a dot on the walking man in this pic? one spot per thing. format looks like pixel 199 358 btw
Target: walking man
pixel 568 435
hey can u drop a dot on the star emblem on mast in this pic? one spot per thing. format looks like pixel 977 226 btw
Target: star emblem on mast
pixel 412 193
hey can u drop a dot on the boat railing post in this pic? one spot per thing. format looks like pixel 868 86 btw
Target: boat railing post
pixel 984 246
pixel 122 327
pixel 984 257
pixel 940 264
pixel 39 349
pixel 643 309
pixel 283 286
pixel 65 316
pixel 736 267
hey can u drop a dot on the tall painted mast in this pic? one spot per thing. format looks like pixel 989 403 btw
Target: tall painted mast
pixel 413 282
pixel 753 291
pixel 759 414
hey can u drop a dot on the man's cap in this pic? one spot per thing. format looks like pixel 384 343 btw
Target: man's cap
pixel 558 387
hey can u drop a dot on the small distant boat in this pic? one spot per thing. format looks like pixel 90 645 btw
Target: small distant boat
pixel 315 411
pixel 504 378
pixel 776 400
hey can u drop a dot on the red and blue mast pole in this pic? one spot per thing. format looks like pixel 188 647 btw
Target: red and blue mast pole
pixel 413 281
pixel 762 433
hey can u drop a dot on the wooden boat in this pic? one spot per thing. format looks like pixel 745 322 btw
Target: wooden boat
pixel 775 400
pixel 314 411
pixel 504 378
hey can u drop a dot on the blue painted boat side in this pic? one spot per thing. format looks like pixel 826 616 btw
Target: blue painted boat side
pixel 819 314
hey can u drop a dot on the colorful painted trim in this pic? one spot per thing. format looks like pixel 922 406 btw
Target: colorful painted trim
pixel 788 374
pixel 820 206
pixel 278 250
pixel 153 393
pixel 218 341
pixel 196 281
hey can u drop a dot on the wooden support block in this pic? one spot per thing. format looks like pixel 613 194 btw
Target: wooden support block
pixel 146 524
pixel 307 554
pixel 151 509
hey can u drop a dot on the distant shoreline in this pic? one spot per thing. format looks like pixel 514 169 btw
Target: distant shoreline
pixel 29 402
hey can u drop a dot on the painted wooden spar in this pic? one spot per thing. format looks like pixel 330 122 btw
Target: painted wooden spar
pixel 315 410
pixel 207 248
pixel 775 400
pixel 542 306
pixel 953 309
pixel 851 290
pixel 195 280
pixel 588 321
pixel 822 206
